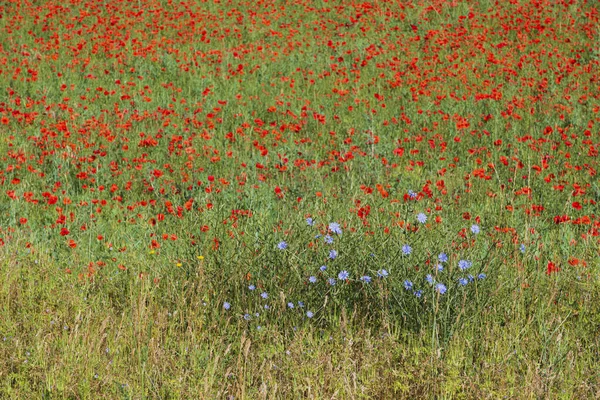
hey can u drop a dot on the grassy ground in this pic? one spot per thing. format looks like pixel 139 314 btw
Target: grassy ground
pixel 77 341
pixel 299 199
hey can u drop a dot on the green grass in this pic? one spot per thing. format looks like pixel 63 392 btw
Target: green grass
pixel 130 338
pixel 153 154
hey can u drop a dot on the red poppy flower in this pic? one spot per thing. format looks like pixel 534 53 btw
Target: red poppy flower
pixel 551 268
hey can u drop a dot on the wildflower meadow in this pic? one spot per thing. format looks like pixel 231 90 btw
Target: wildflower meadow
pixel 218 199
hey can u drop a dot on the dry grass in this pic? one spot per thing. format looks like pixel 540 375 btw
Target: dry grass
pixel 60 341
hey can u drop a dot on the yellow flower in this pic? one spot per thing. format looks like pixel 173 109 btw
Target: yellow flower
pixel 200 258
pixel 179 264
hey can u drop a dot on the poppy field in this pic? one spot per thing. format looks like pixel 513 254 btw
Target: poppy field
pixel 299 199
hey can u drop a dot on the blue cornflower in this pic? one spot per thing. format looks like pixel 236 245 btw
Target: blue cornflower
pixel 443 257
pixel 429 279
pixel 282 245
pixel 312 279
pixel 328 239
pixel 264 295
pixel 310 314
pixel 247 317
pixel 441 288
pixel 440 267
pixel 470 277
pixel 408 285
pixel 333 254
pixel 481 276
pixel 335 228
pixel 267 307
pixel 464 264
pixel 422 218
pixel 290 305
pixel 366 279
pixel 251 287
pixel 522 248
pixel 226 305
pixel 418 293
pixel 406 249
pixel 343 275
pixel 412 194
pixel 331 281
pixel 323 268
pixel 475 229
pixel 318 236
pixel 310 222
pixel 301 304
pixel 463 281
pixel 382 273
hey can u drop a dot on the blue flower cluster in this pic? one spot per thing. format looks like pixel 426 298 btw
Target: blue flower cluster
pixel 435 282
